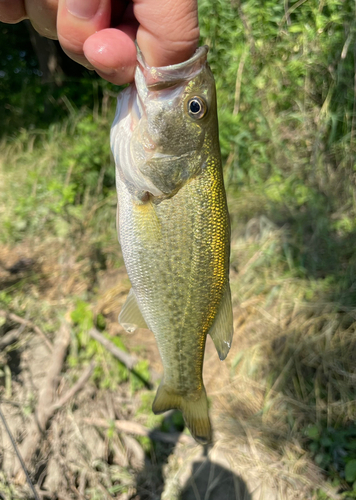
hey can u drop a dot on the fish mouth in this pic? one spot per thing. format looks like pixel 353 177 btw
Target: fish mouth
pixel 159 78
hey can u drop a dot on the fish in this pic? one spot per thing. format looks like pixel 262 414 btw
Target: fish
pixel 173 226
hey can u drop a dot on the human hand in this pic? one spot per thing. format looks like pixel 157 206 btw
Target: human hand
pixel 100 34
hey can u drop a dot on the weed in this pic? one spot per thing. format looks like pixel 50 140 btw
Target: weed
pixel 108 372
pixel 78 153
pixel 334 450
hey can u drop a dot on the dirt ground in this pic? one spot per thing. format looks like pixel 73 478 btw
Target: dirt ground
pixel 82 441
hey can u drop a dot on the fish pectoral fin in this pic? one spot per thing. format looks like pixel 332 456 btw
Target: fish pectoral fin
pixel 222 329
pixel 130 316
pixel 195 413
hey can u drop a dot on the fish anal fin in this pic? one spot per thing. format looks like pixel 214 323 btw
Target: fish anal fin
pixel 195 412
pixel 222 329
pixel 130 317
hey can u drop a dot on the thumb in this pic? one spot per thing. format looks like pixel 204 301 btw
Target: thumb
pixel 168 30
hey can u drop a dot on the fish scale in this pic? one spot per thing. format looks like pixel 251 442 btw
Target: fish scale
pixel 175 244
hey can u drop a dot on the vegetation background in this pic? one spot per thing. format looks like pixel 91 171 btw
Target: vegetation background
pixel 284 410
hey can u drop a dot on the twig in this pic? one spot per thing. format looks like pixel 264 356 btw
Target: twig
pixel 354 103
pixel 290 10
pixel 9 338
pixel 13 442
pixel 247 27
pixel 51 382
pixel 236 109
pixel 286 11
pixel 29 323
pixel 321 5
pixel 93 209
pixel 44 411
pixel 125 358
pixel 238 83
pixel 76 387
pixel 140 430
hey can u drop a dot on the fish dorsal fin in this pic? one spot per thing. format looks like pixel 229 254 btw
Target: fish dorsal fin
pixel 130 316
pixel 222 330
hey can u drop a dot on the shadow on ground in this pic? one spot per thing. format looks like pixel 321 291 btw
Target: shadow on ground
pixel 210 481
pixel 199 477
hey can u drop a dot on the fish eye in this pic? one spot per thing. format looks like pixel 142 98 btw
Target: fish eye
pixel 197 107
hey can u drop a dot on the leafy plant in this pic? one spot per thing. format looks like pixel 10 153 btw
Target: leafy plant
pixel 109 371
pixel 334 450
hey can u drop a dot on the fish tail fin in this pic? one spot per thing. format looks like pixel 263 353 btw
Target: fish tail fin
pixel 196 417
pixel 195 413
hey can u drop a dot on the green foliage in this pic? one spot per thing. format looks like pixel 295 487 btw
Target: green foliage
pixel 285 87
pixel 175 422
pixel 145 409
pixel 5 299
pixel 7 489
pixel 292 76
pixel 61 170
pixel 82 316
pixel 350 471
pixel 321 495
pixel 140 376
pixel 334 450
pixel 87 157
pixel 100 322
pixel 31 101
pixel 109 372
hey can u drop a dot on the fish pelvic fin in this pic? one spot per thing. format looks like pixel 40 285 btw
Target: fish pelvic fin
pixel 195 413
pixel 130 317
pixel 222 329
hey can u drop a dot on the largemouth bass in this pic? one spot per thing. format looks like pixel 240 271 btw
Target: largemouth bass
pixel 173 226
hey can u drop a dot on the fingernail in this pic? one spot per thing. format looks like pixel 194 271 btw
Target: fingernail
pixel 106 71
pixel 83 9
